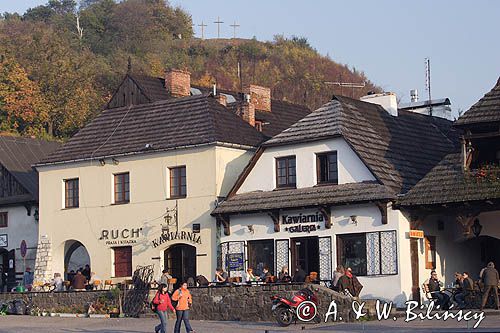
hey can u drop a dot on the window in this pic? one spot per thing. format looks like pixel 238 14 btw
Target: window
pixel 285 172
pixel 123 261
pixel 260 255
pixel 326 166
pixel 430 252
pixel 122 188
pixel 373 253
pixel 178 182
pixel 71 194
pixel 3 220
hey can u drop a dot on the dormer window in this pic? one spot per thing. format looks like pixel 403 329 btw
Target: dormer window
pixel 482 152
pixel 327 169
pixel 285 172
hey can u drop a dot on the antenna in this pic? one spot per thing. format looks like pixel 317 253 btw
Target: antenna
pixel 218 22
pixel 202 25
pixel 428 82
pixel 234 25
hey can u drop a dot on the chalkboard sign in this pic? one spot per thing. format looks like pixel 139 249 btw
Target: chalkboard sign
pixel 235 261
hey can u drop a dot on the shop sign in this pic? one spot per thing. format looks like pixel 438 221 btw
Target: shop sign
pixel 302 222
pixel 120 236
pixel 235 261
pixel 419 234
pixel 171 236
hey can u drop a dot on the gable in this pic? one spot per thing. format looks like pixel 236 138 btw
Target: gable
pixel 128 93
pixel 9 186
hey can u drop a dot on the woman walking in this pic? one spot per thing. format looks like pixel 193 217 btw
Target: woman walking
pixel 184 302
pixel 163 303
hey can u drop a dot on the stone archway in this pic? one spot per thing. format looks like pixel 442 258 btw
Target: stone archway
pixel 76 256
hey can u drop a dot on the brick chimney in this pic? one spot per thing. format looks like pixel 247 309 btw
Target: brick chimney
pixel 247 112
pixel 178 82
pixel 260 97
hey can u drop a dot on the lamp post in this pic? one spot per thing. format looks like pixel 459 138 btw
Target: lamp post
pixel 171 220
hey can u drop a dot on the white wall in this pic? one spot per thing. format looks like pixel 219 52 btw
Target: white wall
pixel 396 288
pixel 263 175
pixel 21 226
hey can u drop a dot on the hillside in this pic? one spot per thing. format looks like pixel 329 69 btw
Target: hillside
pixel 60 63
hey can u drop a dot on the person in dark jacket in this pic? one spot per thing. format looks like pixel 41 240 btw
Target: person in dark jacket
pixel 433 287
pixel 349 283
pixel 466 287
pixel 163 303
pixel 490 280
pixel 300 275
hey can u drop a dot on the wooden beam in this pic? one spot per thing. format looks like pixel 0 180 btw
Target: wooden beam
pixel 382 206
pixel 327 213
pixel 225 221
pixel 275 216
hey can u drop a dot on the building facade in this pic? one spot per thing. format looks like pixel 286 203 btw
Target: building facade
pixel 19 212
pixel 321 194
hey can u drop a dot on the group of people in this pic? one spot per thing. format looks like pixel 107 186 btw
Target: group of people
pixel 82 279
pixel 346 282
pixel 162 302
pixel 265 276
pixel 464 288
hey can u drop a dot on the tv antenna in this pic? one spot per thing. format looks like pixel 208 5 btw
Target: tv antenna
pixel 234 25
pixel 428 82
pixel 218 22
pixel 202 25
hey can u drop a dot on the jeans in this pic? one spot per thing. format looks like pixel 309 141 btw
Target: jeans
pixel 182 316
pixel 460 298
pixel 487 290
pixel 162 327
pixel 441 299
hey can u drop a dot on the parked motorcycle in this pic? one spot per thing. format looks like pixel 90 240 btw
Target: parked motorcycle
pixel 303 306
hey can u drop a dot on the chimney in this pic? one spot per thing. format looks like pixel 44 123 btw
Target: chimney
pixel 222 99
pixel 260 97
pixel 247 112
pixel 387 100
pixel 414 95
pixel 178 83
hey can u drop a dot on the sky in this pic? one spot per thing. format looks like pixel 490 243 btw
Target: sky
pixel 386 39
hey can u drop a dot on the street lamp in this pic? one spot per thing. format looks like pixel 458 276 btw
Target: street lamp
pixel 476 228
pixel 170 219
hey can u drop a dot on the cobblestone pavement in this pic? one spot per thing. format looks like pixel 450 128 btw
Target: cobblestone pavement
pixel 26 324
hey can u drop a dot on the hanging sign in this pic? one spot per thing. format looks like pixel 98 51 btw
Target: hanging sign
pixel 419 234
pixel 302 222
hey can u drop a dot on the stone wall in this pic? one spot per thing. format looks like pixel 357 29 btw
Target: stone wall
pixel 48 301
pixel 253 303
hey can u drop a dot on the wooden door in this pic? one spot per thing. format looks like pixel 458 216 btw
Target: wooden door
pixel 123 261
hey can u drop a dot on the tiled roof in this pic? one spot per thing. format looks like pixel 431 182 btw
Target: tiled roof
pixel 487 109
pixel 304 197
pixel 448 183
pixel 398 150
pixel 167 124
pixel 17 155
pixel 282 115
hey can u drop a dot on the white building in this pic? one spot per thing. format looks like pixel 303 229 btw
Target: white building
pixel 19 203
pixel 136 186
pixel 321 194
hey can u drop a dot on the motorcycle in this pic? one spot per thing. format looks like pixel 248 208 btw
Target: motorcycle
pixel 303 306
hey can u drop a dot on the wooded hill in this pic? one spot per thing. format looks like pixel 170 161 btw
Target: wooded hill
pixel 60 63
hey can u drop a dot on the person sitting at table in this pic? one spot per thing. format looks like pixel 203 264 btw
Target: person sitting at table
pixel 250 277
pixel 284 276
pixel 300 275
pixel 58 282
pixel 265 275
pixel 93 278
pixel 220 276
pixel 466 289
pixel 28 278
pixel 433 287
pixel 79 281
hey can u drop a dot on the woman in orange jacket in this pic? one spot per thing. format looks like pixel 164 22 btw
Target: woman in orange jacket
pixel 162 302
pixel 184 302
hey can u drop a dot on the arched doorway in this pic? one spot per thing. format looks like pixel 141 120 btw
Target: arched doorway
pixel 75 257
pixel 180 260
pixel 489 250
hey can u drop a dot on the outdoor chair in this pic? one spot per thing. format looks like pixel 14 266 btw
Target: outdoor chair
pixel 97 284
pixel 108 284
